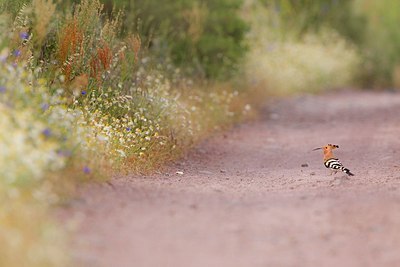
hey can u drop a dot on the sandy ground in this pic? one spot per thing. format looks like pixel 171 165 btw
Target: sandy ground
pixel 244 198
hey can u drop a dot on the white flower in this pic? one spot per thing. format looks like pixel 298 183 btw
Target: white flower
pixel 121 152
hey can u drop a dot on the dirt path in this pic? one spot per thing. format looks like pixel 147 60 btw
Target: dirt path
pixel 244 199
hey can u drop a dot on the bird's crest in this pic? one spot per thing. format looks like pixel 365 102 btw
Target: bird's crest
pixel 328 147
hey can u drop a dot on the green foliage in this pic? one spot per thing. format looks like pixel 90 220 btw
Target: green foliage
pixel 381 46
pixel 284 61
pixel 12 6
pixel 303 16
pixel 206 38
pixel 371 25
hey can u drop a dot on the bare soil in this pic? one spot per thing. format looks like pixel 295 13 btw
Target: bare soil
pixel 258 196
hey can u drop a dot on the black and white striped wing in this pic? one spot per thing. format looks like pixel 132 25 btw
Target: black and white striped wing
pixel 334 164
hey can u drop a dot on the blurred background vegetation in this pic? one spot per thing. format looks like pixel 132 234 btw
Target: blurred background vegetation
pixel 368 26
pixel 208 38
pixel 94 87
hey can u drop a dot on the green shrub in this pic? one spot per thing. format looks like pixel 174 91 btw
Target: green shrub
pixel 282 61
pixel 371 25
pixel 381 46
pixel 203 37
pixel 12 6
pixel 304 16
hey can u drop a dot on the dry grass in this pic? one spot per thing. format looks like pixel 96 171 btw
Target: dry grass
pixel 43 11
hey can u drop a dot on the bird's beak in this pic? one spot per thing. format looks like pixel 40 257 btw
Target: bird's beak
pixel 317 148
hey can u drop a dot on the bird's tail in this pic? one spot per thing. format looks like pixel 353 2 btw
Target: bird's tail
pixel 347 171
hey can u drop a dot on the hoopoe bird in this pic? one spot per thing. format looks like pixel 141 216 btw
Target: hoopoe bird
pixel 331 162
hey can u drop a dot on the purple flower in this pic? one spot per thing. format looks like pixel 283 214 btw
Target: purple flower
pixel 64 153
pixel 128 129
pixel 46 132
pixel 86 169
pixel 83 92
pixel 45 106
pixel 17 52
pixel 2 89
pixel 24 35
